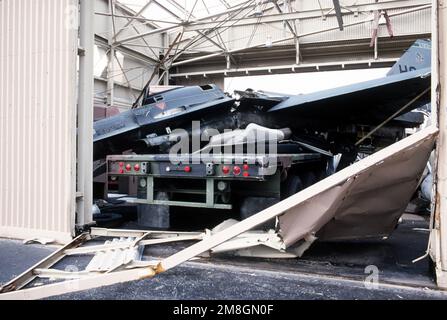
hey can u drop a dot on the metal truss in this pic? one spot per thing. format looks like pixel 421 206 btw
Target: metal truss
pixel 199 29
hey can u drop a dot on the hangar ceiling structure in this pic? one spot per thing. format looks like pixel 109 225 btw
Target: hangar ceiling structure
pixel 208 40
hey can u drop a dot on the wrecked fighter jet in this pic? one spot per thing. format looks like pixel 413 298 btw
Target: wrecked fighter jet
pixel 331 119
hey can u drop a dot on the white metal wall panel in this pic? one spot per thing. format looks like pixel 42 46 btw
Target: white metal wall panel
pixel 38 51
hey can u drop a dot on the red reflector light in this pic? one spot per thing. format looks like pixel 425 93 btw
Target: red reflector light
pixel 121 164
pixel 226 170
pixel 128 167
pixel 237 170
pixel 246 174
pixel 136 167
pixel 246 167
pixel 121 170
pixel 187 169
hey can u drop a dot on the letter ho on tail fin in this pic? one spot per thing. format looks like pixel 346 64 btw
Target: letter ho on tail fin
pixel 418 56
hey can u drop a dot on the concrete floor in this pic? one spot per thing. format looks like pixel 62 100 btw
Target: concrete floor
pixel 327 271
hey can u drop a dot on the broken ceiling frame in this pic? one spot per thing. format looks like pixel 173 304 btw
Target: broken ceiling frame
pixel 301 216
pixel 139 238
pixel 224 19
pixel 28 276
pixel 288 38
pixel 124 252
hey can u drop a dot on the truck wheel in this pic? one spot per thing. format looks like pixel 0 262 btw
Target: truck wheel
pixel 308 178
pixel 252 205
pixel 293 184
pixel 108 220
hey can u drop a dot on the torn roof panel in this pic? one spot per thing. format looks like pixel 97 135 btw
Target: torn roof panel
pixel 368 203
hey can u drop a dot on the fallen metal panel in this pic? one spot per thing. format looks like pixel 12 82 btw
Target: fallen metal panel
pixel 101 232
pixel 369 203
pixel 420 141
pixel 29 275
pixel 112 259
pixel 251 243
pixel 79 284
pixel 126 245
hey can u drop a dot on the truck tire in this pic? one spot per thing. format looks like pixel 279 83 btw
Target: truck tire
pixel 293 185
pixel 251 205
pixel 308 178
pixel 108 220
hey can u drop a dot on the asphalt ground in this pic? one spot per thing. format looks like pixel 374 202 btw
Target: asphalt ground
pixel 331 271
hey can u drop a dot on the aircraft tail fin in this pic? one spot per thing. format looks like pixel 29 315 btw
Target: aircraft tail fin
pixel 418 56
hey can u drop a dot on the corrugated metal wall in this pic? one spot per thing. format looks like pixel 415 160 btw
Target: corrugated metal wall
pixel 38 51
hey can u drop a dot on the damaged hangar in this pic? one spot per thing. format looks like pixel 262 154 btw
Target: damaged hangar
pixel 152 135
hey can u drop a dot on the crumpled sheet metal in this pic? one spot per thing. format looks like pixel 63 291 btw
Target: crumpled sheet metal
pixel 261 244
pixel 368 203
pixel 108 260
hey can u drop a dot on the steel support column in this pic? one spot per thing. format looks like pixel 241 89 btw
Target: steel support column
pixel 85 114
pixel 438 243
pixel 165 78
pixel 111 70
pixel 110 76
